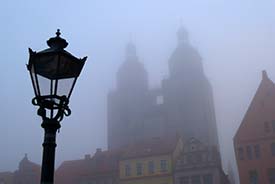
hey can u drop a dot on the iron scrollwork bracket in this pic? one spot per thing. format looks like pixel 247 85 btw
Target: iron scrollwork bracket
pixel 52 103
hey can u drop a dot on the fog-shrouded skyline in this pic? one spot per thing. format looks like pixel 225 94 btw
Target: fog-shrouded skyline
pixel 236 40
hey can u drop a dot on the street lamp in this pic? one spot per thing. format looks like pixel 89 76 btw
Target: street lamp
pixel 53 72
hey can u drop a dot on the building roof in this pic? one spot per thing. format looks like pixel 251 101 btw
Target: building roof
pixel 151 147
pixel 261 110
pixel 6 177
pixel 102 163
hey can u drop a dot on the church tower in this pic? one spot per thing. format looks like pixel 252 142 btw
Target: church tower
pixel 127 103
pixel 187 95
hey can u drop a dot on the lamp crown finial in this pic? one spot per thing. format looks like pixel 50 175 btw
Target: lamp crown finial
pixel 58 33
pixel 57 42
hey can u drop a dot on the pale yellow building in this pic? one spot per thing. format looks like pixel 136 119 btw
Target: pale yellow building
pixel 150 161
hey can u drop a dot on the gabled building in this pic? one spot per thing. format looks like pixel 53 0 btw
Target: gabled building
pixel 101 168
pixel 199 164
pixel 150 161
pixel 254 142
pixel 28 172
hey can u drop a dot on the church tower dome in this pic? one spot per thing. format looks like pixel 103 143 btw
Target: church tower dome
pixel 188 94
pixel 128 103
pixel 183 36
pixel 132 74
pixel 185 60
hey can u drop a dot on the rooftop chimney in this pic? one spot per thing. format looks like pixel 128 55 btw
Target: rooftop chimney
pixel 264 75
pixel 87 156
pixel 98 150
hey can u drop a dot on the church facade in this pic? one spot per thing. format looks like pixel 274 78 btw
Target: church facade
pixel 183 104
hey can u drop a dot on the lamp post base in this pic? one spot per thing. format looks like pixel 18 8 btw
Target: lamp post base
pixel 50 127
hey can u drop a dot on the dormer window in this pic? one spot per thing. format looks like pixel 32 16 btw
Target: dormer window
pixel 193 147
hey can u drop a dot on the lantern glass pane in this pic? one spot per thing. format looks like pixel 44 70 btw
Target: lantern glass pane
pixel 65 86
pixel 44 85
pixel 34 82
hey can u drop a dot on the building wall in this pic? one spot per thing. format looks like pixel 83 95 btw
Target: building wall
pixel 144 162
pixel 201 173
pixel 100 179
pixel 260 165
pixel 6 178
pixel 198 163
pixel 150 180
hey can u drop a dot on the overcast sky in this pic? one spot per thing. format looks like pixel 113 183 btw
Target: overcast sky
pixel 236 39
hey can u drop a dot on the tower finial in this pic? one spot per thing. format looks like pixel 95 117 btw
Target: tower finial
pixel 182 35
pixel 131 50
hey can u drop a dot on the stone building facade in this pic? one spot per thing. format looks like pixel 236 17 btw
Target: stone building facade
pixel 182 105
pixel 199 164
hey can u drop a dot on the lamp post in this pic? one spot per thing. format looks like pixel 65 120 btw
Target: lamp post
pixel 53 73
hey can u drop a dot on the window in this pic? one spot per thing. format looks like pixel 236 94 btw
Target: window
pixel 208 179
pixel 273 125
pixel 257 151
pixel 139 169
pixel 271 175
pixel 159 100
pixel 163 165
pixel 249 152
pixel 273 149
pixel 195 180
pixel 127 170
pixel 184 180
pixel 253 177
pixel 240 153
pixel 151 167
pixel 266 127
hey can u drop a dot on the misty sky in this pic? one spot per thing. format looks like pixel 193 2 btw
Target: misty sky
pixel 236 39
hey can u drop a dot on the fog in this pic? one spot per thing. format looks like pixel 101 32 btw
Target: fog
pixel 236 40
